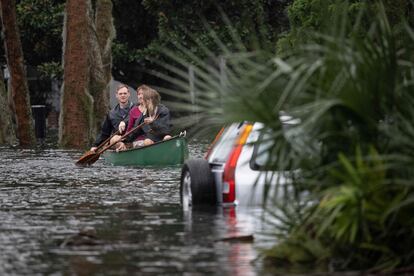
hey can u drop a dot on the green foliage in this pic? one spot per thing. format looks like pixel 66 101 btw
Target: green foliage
pixel 352 97
pixel 40 23
pixel 143 26
pixel 356 211
pixel 176 23
pixel 51 70
pixel 135 29
pixel 167 24
pixel 308 17
pixel 356 204
pixel 359 83
pixel 300 249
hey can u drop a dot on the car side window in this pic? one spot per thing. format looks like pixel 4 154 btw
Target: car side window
pixel 261 149
pixel 224 145
pixel 262 146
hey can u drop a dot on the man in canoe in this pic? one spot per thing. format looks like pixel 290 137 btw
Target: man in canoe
pixel 117 118
pixel 156 122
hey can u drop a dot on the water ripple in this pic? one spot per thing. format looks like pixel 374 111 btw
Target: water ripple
pixel 141 228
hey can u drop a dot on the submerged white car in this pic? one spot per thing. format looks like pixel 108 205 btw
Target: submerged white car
pixel 233 171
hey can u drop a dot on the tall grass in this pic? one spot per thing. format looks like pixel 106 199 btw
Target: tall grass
pixel 351 200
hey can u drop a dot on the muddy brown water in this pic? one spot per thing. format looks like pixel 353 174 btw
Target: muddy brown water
pixel 140 226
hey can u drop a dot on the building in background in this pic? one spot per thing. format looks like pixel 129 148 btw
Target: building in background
pixel 45 98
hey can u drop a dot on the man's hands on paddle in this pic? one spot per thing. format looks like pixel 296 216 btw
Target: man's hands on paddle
pixel 115 139
pixel 118 144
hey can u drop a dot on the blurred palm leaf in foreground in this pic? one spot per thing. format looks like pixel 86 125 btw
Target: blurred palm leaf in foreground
pixel 351 199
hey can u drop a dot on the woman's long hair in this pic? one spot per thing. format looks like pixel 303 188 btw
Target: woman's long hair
pixel 151 99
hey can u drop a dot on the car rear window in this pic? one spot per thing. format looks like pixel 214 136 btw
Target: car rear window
pixel 224 145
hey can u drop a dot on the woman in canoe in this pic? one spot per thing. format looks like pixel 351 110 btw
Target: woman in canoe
pixel 136 112
pixel 156 119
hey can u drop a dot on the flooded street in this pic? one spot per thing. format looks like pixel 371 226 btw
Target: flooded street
pixel 45 200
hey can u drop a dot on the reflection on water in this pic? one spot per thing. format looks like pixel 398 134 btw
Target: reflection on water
pixel 139 223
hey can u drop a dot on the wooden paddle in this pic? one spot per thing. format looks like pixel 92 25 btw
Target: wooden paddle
pixel 92 158
pixel 89 154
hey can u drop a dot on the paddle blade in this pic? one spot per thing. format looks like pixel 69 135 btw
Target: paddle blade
pixel 88 158
pixel 93 159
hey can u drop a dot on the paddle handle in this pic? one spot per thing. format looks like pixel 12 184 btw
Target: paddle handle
pixel 136 128
pixel 107 140
pixel 122 138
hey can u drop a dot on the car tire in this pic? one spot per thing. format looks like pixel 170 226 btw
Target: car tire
pixel 197 184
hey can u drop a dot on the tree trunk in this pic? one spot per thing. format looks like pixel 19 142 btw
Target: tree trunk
pixel 7 133
pixel 98 87
pixel 76 116
pixel 105 31
pixel 87 71
pixel 15 63
pixel 102 75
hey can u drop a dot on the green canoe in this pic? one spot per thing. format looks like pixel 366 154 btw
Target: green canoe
pixel 165 153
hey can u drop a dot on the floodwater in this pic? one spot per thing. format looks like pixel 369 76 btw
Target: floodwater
pixel 141 229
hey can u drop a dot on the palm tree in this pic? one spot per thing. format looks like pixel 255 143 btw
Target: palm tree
pixel 351 194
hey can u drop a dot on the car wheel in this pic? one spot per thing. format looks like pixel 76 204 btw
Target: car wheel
pixel 197 185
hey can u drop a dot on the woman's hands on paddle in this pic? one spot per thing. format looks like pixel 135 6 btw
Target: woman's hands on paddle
pixel 93 149
pixel 120 146
pixel 148 120
pixel 121 127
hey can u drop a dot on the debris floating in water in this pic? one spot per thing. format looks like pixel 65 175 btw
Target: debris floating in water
pixel 242 238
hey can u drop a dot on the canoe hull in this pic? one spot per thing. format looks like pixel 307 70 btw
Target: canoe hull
pixel 164 153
